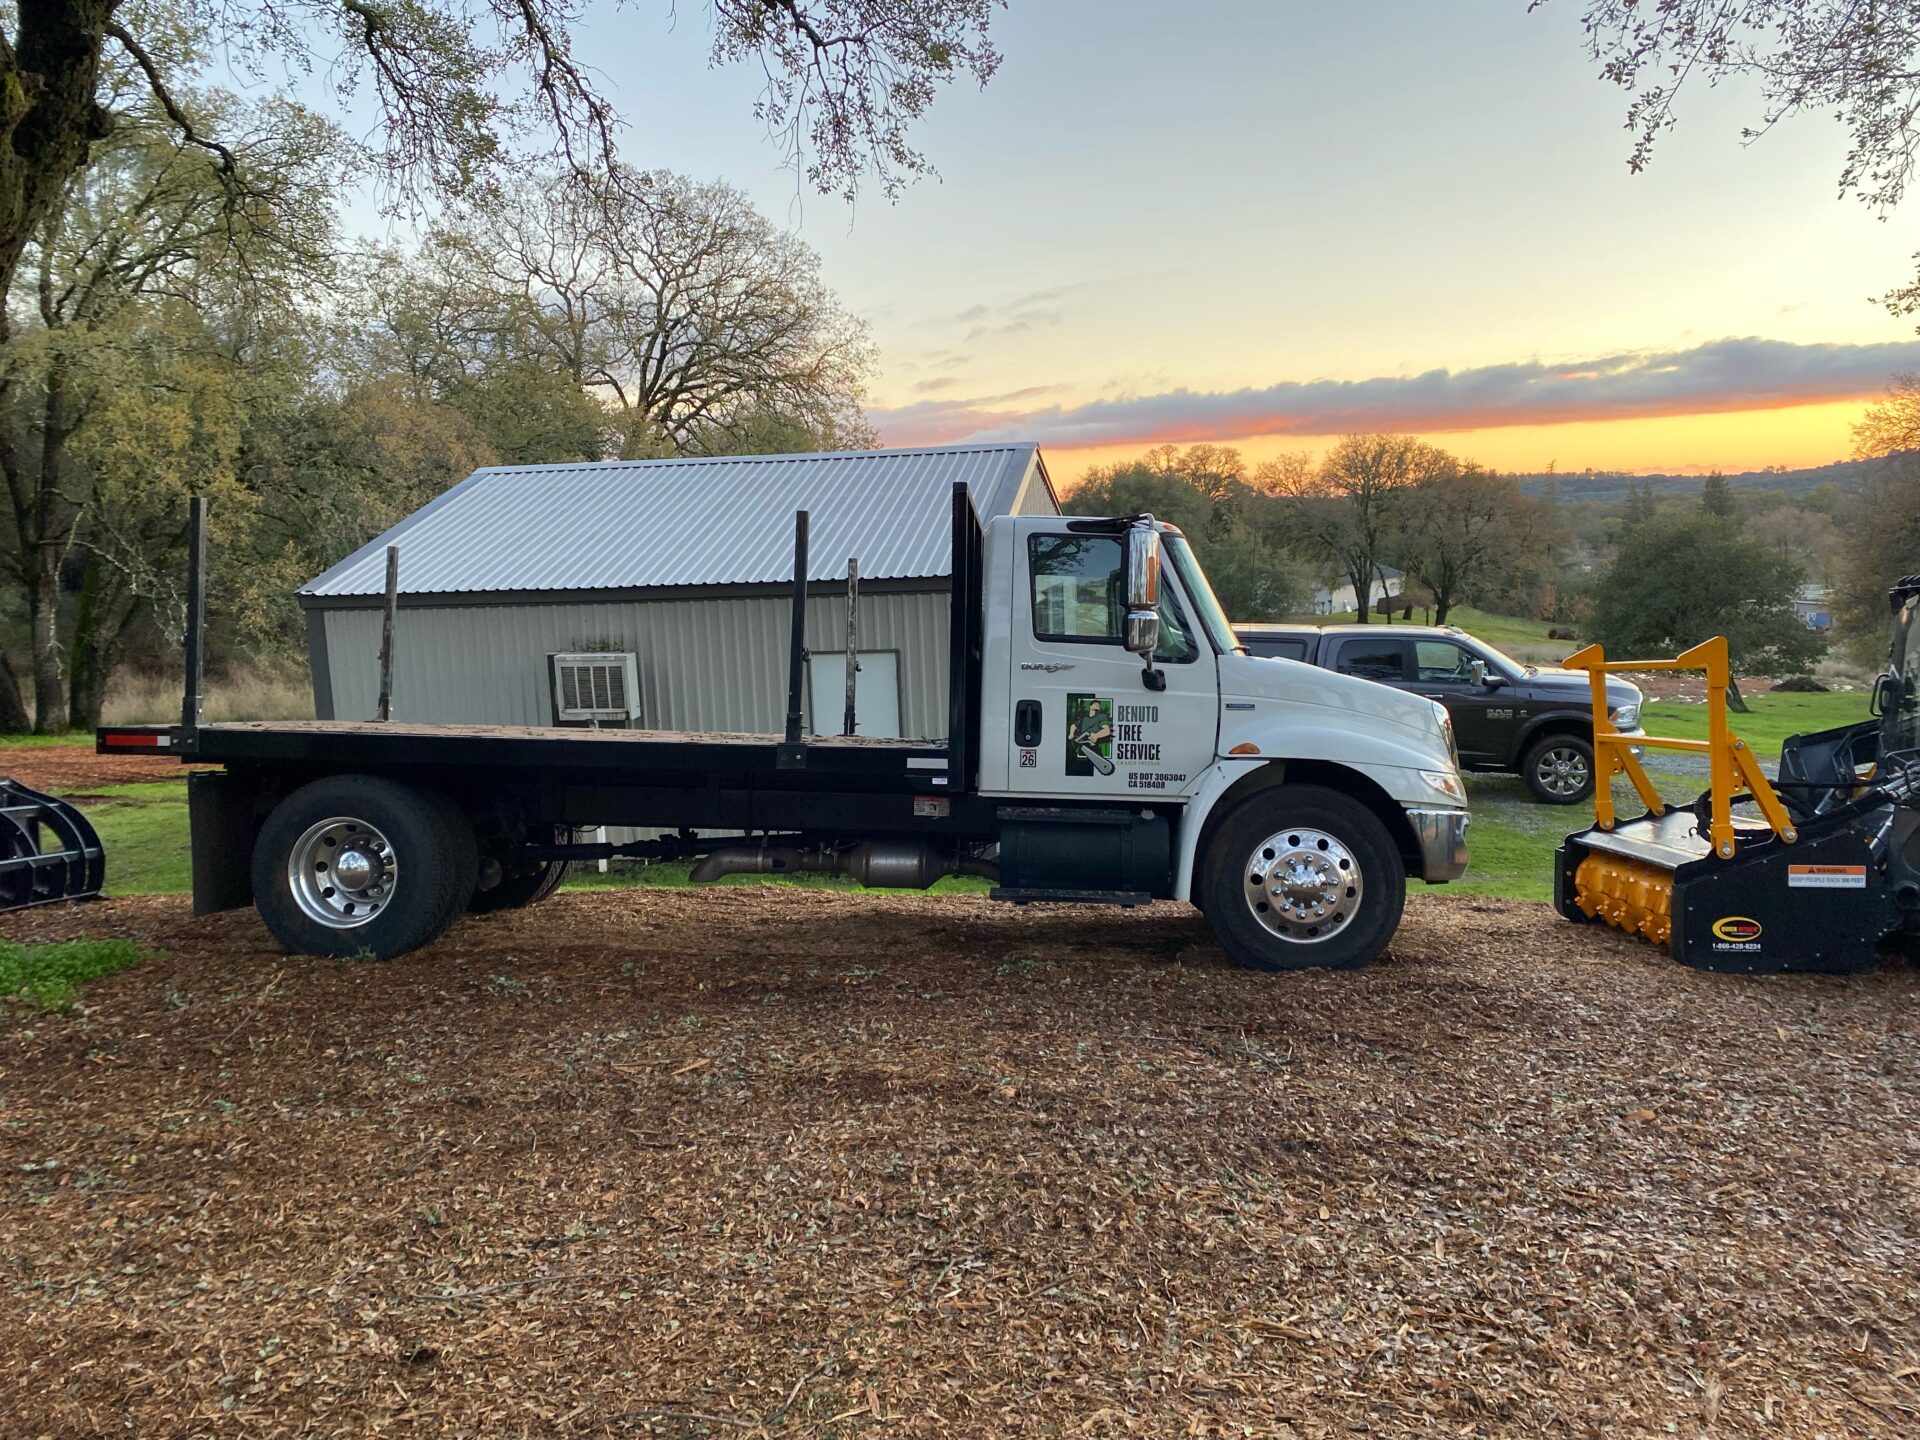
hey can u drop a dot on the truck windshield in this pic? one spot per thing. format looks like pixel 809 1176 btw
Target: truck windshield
pixel 1206 606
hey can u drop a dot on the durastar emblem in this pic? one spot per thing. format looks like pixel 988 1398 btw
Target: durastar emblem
pixel 1053 667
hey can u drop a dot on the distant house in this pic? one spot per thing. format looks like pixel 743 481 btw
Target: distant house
pixel 1814 605
pixel 1335 596
pixel 656 594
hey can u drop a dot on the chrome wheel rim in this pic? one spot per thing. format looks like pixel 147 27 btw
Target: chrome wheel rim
pixel 342 872
pixel 1304 885
pixel 1562 771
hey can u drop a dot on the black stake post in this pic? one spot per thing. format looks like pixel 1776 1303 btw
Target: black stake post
pixel 386 632
pixel 793 751
pixel 848 722
pixel 195 640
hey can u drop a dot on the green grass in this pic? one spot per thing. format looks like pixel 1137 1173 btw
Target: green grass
pixel 65 737
pixel 50 976
pixel 1774 717
pixel 144 830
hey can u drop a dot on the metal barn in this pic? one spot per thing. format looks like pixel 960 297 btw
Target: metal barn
pixel 657 594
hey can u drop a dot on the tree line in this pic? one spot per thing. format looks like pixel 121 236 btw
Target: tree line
pixel 160 341
pixel 1267 534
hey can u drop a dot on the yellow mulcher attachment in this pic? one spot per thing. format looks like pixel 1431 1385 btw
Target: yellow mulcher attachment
pixel 1719 892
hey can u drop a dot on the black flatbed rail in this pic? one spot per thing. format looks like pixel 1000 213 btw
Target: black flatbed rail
pixel 521 752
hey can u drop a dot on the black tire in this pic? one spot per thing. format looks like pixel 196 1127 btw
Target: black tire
pixel 1249 918
pixel 520 888
pixel 1558 768
pixel 423 837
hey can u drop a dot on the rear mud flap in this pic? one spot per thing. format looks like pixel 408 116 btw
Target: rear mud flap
pixel 1820 904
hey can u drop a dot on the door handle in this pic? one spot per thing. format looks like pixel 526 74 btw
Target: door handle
pixel 1026 723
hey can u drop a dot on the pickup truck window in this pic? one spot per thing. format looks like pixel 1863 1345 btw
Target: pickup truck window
pixel 1441 662
pixel 1373 659
pixel 1275 647
pixel 1078 596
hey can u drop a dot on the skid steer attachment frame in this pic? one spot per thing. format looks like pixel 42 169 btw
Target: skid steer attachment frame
pixel 48 850
pixel 1719 891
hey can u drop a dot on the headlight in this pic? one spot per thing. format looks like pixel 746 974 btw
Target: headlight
pixel 1445 722
pixel 1446 782
pixel 1624 717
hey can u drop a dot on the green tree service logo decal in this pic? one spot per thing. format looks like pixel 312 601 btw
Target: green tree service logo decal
pixel 1089 735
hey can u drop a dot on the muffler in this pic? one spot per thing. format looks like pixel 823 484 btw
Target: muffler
pixel 875 864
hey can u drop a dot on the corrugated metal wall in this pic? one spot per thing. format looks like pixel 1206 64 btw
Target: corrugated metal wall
pixel 718 664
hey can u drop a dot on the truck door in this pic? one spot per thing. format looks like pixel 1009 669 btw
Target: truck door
pixel 1084 722
pixel 1483 724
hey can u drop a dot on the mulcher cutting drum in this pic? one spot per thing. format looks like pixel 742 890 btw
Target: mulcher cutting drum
pixel 48 850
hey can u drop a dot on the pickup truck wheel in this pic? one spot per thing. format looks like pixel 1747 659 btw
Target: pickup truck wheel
pixel 1300 877
pixel 1559 769
pixel 355 865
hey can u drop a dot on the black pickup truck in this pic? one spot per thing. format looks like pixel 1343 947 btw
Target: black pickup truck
pixel 1521 719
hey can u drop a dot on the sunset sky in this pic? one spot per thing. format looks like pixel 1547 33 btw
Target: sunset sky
pixel 1266 224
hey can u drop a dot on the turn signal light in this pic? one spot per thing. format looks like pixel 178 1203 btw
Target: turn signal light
pixel 1245 747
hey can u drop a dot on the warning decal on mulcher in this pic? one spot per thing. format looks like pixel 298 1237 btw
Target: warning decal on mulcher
pixel 1826 877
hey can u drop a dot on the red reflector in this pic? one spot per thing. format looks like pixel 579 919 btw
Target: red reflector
pixel 135 740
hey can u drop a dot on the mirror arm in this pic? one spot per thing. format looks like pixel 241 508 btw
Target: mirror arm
pixel 1154 679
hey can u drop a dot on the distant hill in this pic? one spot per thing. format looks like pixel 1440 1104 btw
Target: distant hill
pixel 1610 486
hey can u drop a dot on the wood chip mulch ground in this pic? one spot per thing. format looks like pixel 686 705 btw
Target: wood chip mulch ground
pixel 765 1162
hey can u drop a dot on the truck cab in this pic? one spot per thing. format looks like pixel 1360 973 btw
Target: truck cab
pixel 1299 799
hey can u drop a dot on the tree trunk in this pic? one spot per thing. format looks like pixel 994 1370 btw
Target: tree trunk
pixel 92 649
pixel 43 625
pixel 14 719
pixel 49 114
pixel 1362 594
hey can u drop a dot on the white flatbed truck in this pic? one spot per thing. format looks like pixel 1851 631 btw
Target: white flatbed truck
pixel 1108 742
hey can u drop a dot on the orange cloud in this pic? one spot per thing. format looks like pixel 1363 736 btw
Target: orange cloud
pixel 1723 376
pixel 1790 436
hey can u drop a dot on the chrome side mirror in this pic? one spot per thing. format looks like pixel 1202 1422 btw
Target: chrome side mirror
pixel 1143 566
pixel 1477 671
pixel 1143 597
pixel 1143 631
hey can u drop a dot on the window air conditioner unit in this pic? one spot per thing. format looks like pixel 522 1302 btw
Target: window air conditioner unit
pixel 596 688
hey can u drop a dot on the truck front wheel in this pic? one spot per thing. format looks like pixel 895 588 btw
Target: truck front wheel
pixel 1299 877
pixel 355 865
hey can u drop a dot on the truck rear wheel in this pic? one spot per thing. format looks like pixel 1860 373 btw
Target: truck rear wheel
pixel 354 865
pixel 518 888
pixel 1301 877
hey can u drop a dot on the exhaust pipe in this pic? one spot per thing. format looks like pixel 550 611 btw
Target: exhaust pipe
pixel 876 865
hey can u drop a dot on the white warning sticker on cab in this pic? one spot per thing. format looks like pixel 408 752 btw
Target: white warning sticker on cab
pixel 1826 877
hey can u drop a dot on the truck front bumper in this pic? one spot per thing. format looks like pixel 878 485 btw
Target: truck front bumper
pixel 1442 835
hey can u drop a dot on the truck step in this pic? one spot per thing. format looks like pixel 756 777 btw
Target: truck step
pixel 1127 898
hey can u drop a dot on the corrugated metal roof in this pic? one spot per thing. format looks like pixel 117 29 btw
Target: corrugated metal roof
pixel 728 520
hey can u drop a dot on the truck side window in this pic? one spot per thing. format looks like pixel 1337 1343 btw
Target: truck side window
pixel 1373 659
pixel 1441 662
pixel 1077 587
pixel 1078 594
